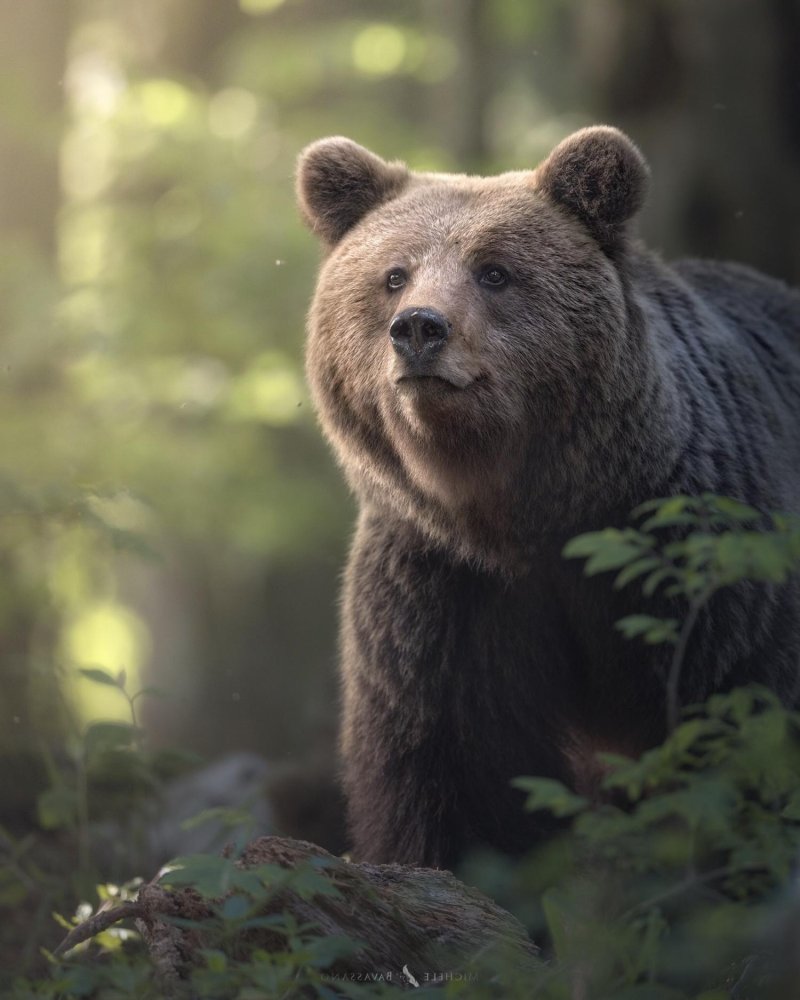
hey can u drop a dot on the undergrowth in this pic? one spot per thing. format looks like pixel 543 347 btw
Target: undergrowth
pixel 679 884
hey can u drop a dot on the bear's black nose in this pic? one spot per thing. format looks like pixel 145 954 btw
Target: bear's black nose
pixel 418 334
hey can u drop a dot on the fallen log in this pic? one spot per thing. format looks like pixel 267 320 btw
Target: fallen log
pixel 414 926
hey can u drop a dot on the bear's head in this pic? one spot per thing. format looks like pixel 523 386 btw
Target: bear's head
pixel 467 329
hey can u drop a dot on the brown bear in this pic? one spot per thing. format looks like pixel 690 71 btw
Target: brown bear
pixel 500 365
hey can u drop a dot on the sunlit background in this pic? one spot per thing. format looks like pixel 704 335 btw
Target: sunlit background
pixel 168 507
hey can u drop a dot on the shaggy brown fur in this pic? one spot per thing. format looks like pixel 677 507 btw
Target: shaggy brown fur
pixel 499 366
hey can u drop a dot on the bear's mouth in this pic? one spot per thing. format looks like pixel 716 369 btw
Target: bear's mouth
pixel 423 379
pixel 428 384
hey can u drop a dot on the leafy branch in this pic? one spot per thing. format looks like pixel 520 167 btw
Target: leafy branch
pixel 687 549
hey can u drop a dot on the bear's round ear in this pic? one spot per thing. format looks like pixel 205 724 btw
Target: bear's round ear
pixel 338 182
pixel 600 176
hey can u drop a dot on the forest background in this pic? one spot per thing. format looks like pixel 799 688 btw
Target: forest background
pixel 167 506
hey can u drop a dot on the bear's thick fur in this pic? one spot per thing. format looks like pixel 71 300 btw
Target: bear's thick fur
pixel 500 366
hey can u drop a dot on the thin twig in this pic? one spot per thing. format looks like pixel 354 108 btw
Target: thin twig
pixel 101 921
pixel 691 882
pixel 679 655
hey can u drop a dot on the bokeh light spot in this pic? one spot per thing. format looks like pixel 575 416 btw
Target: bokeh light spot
pixel 379 50
pixel 164 102
pixel 260 6
pixel 232 112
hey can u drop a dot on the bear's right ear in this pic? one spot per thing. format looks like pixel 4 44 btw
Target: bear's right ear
pixel 598 175
pixel 338 182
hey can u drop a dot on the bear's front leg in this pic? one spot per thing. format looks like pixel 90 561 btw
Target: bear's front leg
pixel 444 702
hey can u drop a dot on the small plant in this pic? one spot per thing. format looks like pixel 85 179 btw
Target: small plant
pixel 93 816
pixel 110 773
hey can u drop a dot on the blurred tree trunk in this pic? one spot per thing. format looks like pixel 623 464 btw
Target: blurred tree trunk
pixel 180 37
pixel 462 99
pixel 33 45
pixel 711 89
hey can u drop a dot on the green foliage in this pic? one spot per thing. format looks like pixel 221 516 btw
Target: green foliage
pixel 672 884
pixel 236 900
pixel 92 816
pixel 111 756
pixel 678 876
pixel 717 543
pixel 686 549
pixel 550 795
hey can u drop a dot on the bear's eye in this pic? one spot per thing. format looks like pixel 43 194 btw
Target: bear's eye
pixel 493 277
pixel 395 279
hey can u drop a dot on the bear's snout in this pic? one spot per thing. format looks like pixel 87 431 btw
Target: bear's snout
pixel 418 335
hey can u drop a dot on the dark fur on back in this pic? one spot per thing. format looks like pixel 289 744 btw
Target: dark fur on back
pixel 593 378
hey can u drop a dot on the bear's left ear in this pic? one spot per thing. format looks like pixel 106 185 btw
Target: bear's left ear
pixel 338 182
pixel 600 176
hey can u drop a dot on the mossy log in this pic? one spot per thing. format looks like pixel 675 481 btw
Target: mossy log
pixel 415 925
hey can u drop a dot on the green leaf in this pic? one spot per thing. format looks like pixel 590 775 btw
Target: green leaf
pixel 707 804
pixel 611 556
pixel 610 549
pixel 98 676
pixel 685 737
pixel 660 520
pixel 670 512
pixel 583 546
pixel 235 907
pixel 735 510
pixel 652 630
pixel 635 569
pixel 753 555
pixel 669 505
pixel 550 795
pixel 651 583
pixel 209 874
